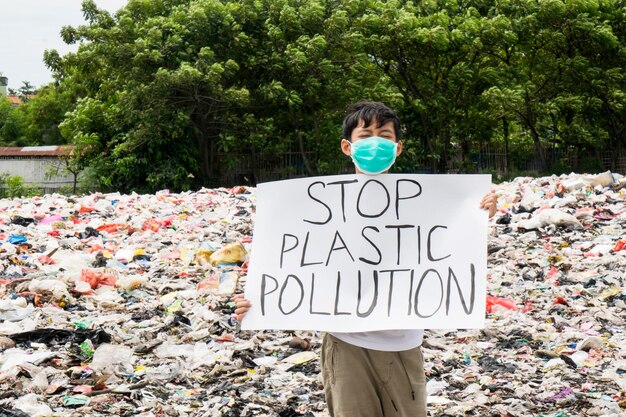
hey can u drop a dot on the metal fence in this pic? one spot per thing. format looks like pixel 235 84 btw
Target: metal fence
pixel 523 159
pixel 248 169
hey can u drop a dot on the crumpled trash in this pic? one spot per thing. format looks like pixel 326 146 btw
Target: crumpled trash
pixel 501 302
pixel 97 279
pixel 88 232
pixel 17 239
pixel 232 253
pixel 547 217
pixel 162 338
pixel 56 288
pixel 76 400
pixel 222 283
pixel 61 336
pixel 555 307
pixel 109 358
pixel 15 309
pixel 22 221
pixel 33 405
pixel 605 179
pixel 12 358
pixel 12 413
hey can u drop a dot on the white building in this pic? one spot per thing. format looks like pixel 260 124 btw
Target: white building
pixel 41 166
pixel 4 82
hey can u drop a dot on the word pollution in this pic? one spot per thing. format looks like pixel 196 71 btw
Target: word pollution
pixel 422 290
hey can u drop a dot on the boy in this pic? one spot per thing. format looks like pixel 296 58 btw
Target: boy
pixel 377 373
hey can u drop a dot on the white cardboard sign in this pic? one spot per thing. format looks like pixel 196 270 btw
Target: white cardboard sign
pixel 353 253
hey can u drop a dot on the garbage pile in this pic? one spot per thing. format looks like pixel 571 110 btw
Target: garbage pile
pixel 117 304
pixel 554 344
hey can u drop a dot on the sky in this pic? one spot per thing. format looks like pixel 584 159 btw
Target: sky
pixel 29 27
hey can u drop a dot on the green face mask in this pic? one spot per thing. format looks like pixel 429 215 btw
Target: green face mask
pixel 374 155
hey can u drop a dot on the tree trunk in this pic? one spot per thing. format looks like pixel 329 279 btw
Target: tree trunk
pixel 203 156
pixel 465 150
pixel 529 118
pixel 254 166
pixel 443 159
pixel 310 169
pixel 505 133
pixel 202 145
pixel 212 156
pixel 427 142
pixel 539 150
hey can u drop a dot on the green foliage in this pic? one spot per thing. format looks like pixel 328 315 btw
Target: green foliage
pixel 11 124
pixel 159 91
pixel 13 186
pixel 36 120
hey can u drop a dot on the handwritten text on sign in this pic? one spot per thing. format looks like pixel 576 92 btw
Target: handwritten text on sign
pixel 359 253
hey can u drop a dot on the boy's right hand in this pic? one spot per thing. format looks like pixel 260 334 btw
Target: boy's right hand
pixel 243 305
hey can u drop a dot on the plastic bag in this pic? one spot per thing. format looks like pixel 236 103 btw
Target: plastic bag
pixel 229 254
pixel 502 302
pixel 109 358
pixel 97 279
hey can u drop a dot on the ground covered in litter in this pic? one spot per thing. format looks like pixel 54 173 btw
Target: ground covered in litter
pixel 119 304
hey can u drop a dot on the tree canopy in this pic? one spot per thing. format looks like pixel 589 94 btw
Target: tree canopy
pixel 171 93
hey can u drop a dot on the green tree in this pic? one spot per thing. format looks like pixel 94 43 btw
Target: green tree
pixel 42 115
pixel 26 91
pixel 157 93
pixel 547 59
pixel 11 124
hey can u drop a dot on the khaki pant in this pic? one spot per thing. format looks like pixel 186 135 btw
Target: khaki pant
pixel 362 382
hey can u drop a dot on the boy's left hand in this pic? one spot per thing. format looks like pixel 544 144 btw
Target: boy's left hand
pixel 489 203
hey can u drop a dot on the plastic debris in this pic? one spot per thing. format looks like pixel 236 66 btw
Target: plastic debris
pixel 233 253
pixel 97 279
pixel 120 304
pixel 32 405
pixel 501 302
pixel 17 239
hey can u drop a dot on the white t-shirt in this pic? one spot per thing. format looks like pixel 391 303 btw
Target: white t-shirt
pixel 386 340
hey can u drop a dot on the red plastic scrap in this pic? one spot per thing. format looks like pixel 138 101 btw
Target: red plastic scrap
pixel 238 190
pixel 560 300
pixel 213 281
pixel 97 279
pixel 150 224
pixel 245 266
pixel 95 248
pixel 82 389
pixel 604 214
pixel 559 189
pixel 116 227
pixel 553 271
pixel 225 338
pixel 502 302
pixel 111 228
pixel 619 245
pixel 155 225
pixel 46 260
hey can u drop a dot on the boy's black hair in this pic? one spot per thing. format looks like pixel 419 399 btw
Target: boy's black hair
pixel 369 111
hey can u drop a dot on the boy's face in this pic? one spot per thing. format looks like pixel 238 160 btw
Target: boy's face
pixel 386 131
